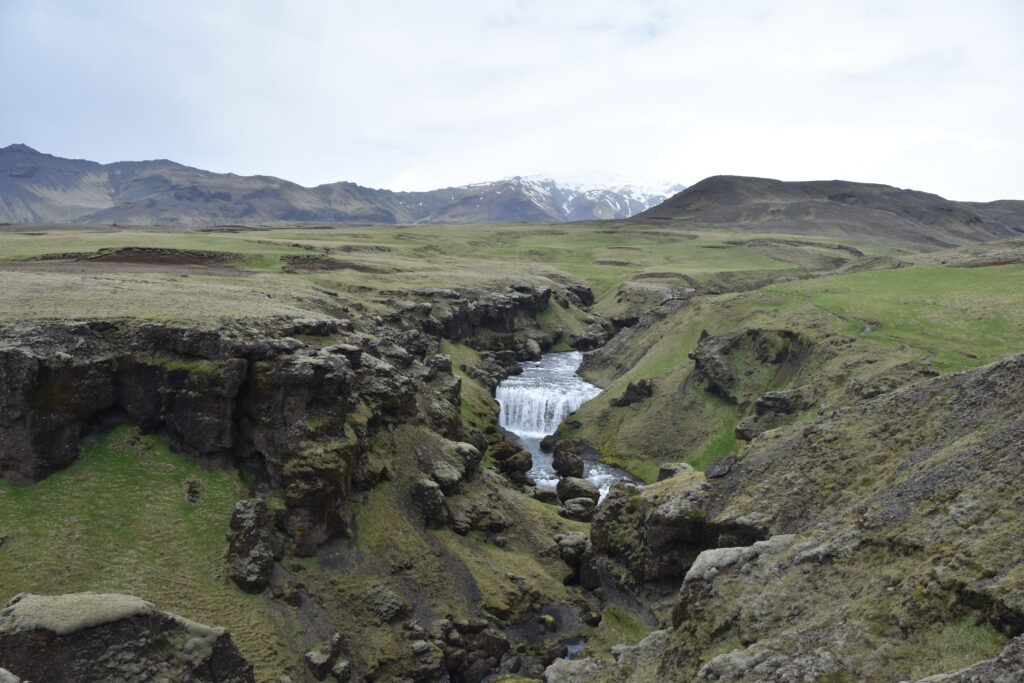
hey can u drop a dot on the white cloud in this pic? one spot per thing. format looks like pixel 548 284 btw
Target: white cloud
pixel 418 95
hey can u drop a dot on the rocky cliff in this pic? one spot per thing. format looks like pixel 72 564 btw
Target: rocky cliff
pixel 94 636
pixel 349 430
pixel 875 542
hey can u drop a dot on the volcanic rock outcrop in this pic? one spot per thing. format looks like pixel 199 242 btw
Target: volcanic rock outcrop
pixel 96 636
pixel 829 548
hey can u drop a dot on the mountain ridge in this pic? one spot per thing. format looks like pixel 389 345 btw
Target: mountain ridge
pixel 40 187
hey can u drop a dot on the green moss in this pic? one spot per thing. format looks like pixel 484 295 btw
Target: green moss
pixel 716 447
pixel 555 317
pixel 626 623
pixel 265 262
pixel 618 627
pixel 951 647
pixel 118 520
pixel 189 365
pixel 645 470
pixel 477 409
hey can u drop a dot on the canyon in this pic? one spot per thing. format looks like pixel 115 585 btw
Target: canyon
pixel 303 447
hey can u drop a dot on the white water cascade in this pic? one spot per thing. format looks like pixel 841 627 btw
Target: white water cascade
pixel 535 402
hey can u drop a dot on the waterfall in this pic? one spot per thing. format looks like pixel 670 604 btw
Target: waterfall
pixel 534 403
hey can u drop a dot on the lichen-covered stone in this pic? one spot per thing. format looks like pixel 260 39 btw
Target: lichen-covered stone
pixel 579 509
pixel 97 636
pixel 575 487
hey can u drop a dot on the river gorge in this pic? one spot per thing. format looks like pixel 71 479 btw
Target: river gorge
pixel 535 402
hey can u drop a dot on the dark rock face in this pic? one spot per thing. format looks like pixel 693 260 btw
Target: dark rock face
pixel 297 415
pixel 430 500
pixel 44 404
pixel 548 443
pixel 595 336
pixel 641 534
pixel 469 316
pixel 720 468
pixel 635 393
pixel 773 409
pixel 323 659
pixel 549 496
pixel 583 293
pixel 723 362
pixel 91 636
pixel 252 546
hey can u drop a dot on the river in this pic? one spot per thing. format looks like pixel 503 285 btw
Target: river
pixel 535 402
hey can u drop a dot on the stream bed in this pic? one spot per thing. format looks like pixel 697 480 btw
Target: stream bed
pixel 535 402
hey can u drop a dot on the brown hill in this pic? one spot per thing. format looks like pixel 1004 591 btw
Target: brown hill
pixel 869 212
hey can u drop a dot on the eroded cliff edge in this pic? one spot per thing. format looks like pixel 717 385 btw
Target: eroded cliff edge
pixel 879 541
pixel 377 538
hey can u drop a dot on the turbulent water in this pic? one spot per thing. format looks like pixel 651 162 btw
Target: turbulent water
pixel 534 403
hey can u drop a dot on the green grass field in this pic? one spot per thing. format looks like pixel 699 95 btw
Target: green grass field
pixel 956 317
pixel 118 520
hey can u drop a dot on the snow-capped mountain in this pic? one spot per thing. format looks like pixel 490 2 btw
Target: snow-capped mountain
pixel 41 188
pixel 544 199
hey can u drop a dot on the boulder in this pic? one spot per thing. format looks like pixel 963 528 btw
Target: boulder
pixel 321 660
pixel 578 509
pixel 545 495
pixel 387 604
pixel 574 487
pixel 635 393
pixel 112 637
pixel 468 454
pixel 501 450
pixel 522 461
pixel 581 292
pixel 618 322
pixel 572 547
pixel 194 487
pixel 672 469
pixel 429 498
pixel 548 443
pixel 576 670
pixel 531 349
pixel 251 546
pixel 447 476
pixel 566 462
pixel 645 533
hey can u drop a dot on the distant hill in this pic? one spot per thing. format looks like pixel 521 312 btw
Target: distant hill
pixel 874 213
pixel 41 188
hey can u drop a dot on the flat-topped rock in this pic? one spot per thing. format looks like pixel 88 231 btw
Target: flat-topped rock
pixel 110 636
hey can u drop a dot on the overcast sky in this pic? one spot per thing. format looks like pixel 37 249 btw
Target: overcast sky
pixel 419 95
